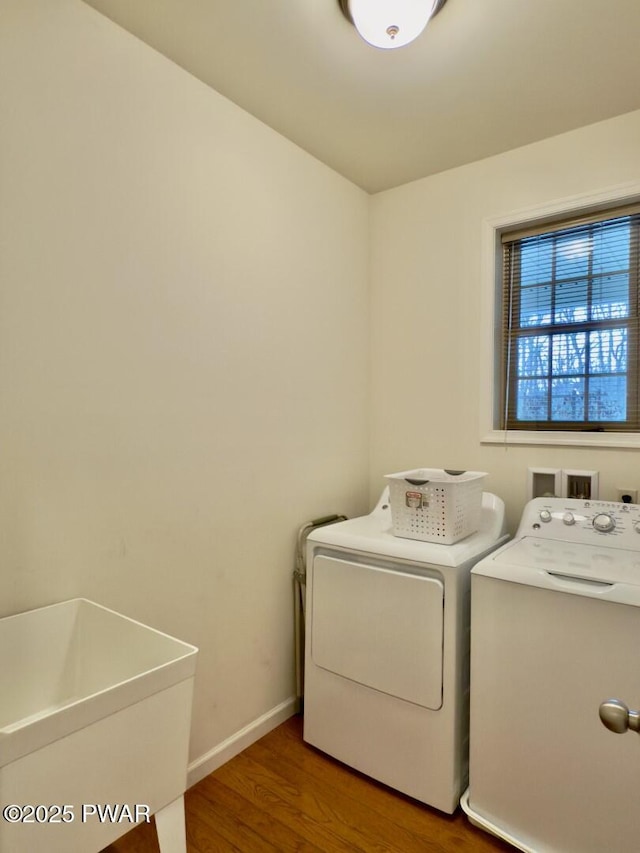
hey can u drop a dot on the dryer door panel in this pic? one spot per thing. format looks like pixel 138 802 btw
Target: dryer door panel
pixel 380 628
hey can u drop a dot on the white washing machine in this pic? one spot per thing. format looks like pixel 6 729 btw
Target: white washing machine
pixel 387 651
pixel 555 633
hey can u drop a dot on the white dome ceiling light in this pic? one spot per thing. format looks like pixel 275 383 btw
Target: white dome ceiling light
pixel 390 23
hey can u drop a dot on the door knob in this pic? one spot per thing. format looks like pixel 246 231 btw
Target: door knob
pixel 618 718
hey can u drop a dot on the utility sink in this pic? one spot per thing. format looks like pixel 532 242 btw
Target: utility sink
pixel 95 715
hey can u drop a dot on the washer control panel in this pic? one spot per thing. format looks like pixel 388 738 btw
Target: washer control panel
pixel 573 520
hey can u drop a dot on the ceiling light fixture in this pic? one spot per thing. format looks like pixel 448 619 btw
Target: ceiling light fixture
pixel 390 23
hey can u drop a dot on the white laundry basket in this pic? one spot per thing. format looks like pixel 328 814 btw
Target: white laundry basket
pixel 435 505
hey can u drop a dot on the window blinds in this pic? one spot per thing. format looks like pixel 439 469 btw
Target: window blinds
pixel 569 334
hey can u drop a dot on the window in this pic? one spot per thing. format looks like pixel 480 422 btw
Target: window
pixel 570 351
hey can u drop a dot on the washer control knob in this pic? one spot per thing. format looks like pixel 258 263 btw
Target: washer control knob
pixel 545 515
pixel 603 522
pixel 568 518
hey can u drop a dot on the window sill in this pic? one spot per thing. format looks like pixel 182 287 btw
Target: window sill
pixel 629 440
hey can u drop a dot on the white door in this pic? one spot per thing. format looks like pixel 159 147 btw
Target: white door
pixel 380 628
pixel 543 768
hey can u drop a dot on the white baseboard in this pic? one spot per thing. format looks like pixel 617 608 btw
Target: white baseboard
pixel 226 750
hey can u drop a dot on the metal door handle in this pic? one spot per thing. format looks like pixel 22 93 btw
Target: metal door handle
pixel 618 718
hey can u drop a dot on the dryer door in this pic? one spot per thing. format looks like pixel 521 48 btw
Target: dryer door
pixel 380 628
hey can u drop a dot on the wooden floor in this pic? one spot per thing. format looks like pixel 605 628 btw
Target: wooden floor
pixel 282 795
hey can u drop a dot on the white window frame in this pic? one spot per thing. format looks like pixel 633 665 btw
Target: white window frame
pixel 490 319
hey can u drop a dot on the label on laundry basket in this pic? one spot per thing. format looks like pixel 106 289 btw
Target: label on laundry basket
pixel 415 500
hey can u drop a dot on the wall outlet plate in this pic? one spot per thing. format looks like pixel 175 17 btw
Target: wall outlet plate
pixel 630 494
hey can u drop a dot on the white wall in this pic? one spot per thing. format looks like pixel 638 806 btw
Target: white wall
pixel 183 351
pixel 427 337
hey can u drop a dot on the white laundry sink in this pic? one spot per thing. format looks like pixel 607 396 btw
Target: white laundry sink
pixel 95 715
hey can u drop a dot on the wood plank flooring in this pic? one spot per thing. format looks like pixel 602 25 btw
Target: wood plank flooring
pixel 282 795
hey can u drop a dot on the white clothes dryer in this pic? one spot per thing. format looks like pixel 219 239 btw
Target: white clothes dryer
pixel 555 632
pixel 387 650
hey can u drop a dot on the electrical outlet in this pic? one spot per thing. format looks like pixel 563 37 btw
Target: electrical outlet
pixel 627 496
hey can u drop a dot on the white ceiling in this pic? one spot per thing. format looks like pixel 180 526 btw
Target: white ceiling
pixel 484 77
